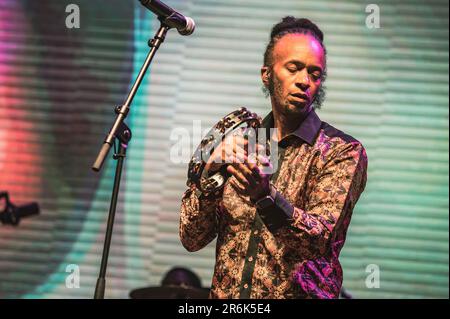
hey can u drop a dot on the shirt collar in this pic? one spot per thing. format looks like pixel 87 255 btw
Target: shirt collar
pixel 307 130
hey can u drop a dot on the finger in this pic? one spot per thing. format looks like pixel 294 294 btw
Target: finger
pixel 231 144
pixel 248 174
pixel 257 161
pixel 234 147
pixel 234 157
pixel 238 175
pixel 255 150
pixel 261 149
pixel 252 167
pixel 255 170
pixel 232 140
pixel 218 155
pixel 263 160
pixel 265 166
pixel 238 187
pixel 240 152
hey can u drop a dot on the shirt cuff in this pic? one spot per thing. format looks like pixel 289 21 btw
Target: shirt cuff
pixel 279 214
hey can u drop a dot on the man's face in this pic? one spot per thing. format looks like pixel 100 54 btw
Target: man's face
pixel 296 74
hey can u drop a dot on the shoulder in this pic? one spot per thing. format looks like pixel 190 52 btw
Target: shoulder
pixel 333 143
pixel 332 133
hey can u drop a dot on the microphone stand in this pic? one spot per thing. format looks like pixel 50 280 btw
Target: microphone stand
pixel 122 132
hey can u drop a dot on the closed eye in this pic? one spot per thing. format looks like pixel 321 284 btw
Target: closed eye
pixel 316 76
pixel 292 69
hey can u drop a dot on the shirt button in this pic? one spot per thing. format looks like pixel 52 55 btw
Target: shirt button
pixel 245 286
pixel 250 259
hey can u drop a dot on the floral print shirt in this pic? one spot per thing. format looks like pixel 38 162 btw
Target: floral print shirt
pixel 291 249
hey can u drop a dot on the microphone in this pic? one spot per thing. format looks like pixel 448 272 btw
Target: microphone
pixel 27 210
pixel 170 17
pixel 12 213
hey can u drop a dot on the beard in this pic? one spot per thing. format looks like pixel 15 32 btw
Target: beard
pixel 288 108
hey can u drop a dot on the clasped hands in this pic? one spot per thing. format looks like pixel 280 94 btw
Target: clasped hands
pixel 246 163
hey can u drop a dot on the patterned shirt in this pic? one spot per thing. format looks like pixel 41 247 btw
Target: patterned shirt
pixel 291 249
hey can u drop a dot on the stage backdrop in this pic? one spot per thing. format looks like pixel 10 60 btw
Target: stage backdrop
pixel 387 86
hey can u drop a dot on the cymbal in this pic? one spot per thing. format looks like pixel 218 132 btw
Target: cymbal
pixel 170 292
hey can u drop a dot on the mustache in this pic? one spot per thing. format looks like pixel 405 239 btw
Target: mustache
pixel 316 100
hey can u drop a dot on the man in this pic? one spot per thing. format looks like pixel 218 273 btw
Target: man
pixel 279 235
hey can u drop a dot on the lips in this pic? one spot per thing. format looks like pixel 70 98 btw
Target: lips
pixel 300 96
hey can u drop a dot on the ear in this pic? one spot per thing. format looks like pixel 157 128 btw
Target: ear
pixel 265 75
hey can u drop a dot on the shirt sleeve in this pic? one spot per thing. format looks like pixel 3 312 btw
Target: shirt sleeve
pixel 332 197
pixel 198 219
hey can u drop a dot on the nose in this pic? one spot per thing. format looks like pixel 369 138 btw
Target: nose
pixel 302 81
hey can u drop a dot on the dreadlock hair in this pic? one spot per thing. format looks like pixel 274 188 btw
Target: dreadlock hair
pixel 292 25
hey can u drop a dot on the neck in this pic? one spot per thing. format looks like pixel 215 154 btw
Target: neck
pixel 286 123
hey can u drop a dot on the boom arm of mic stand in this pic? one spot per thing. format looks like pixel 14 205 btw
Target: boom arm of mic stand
pixel 124 109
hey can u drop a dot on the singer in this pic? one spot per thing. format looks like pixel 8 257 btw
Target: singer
pixel 280 235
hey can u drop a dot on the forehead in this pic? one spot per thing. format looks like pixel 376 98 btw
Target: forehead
pixel 301 47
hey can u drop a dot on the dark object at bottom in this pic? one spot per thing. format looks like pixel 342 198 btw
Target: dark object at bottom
pixel 170 292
